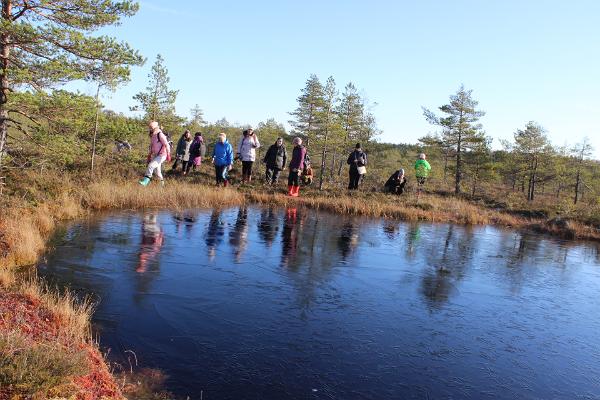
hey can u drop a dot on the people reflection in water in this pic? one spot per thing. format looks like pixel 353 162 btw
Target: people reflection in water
pixel 348 239
pixel 187 219
pixel 412 239
pixel 289 236
pixel 152 241
pixel 390 228
pixel 268 226
pixel 214 233
pixel 238 237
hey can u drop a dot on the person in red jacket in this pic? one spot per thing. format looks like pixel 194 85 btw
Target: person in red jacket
pixel 296 167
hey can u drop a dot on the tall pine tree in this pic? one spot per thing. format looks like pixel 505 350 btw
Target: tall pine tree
pixel 44 43
pixel 307 116
pixel 158 101
pixel 460 128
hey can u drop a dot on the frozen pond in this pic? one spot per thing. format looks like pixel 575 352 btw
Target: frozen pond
pixel 258 303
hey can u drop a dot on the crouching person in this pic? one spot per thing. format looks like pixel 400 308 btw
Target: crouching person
pixel 396 183
pixel 159 152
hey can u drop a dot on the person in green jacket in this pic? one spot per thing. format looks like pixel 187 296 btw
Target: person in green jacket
pixel 422 169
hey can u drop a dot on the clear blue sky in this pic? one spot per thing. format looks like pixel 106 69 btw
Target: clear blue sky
pixel 247 60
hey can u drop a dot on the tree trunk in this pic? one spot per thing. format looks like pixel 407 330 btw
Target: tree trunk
pixel 4 84
pixel 95 127
pixel 322 173
pixel 332 171
pixel 577 186
pixel 458 166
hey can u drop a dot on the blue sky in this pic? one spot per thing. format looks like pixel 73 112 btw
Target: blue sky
pixel 247 61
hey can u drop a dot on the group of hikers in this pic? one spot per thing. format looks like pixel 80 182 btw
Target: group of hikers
pixel 190 153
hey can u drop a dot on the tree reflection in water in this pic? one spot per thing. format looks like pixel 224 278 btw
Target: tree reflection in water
pixel 446 265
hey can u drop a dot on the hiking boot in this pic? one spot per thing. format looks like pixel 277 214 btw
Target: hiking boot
pixel 145 181
pixel 290 190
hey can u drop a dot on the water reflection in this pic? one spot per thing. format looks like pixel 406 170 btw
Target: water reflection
pixel 268 226
pixel 348 239
pixel 215 230
pixel 238 237
pixel 353 308
pixel 447 264
pixel 289 236
pixel 151 242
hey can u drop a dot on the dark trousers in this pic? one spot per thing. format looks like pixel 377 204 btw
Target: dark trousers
pixel 177 162
pixel 221 173
pixel 355 178
pixel 272 174
pixel 396 188
pixel 294 178
pixel 247 168
pixel 188 166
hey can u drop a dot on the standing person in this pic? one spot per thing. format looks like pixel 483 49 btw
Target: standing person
pixel 396 183
pixel 246 152
pixel 296 166
pixel 159 152
pixel 222 158
pixel 422 169
pixel 357 161
pixel 197 152
pixel 275 161
pixel 182 152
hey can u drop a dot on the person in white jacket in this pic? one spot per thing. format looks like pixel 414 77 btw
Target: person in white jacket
pixel 246 152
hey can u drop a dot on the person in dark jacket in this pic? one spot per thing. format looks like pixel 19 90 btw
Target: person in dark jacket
pixel 197 152
pixel 357 161
pixel 296 166
pixel 396 183
pixel 182 153
pixel 275 161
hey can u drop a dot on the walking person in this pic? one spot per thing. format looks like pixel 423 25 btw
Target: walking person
pixel 422 169
pixel 275 160
pixel 296 166
pixel 396 183
pixel 357 161
pixel 197 152
pixel 159 152
pixel 222 158
pixel 182 152
pixel 246 152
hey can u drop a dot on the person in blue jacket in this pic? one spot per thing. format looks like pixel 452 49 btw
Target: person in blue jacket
pixel 222 159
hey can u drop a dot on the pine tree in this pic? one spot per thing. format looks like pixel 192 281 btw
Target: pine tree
pixel 196 121
pixel 351 112
pixel 534 149
pixel 461 131
pixel 158 101
pixel 44 43
pixel 581 152
pixel 330 129
pixel 306 122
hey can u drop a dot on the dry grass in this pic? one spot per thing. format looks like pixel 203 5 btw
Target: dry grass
pixel 74 315
pixel 106 195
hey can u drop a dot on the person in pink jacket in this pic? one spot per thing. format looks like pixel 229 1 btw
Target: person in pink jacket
pixel 159 152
